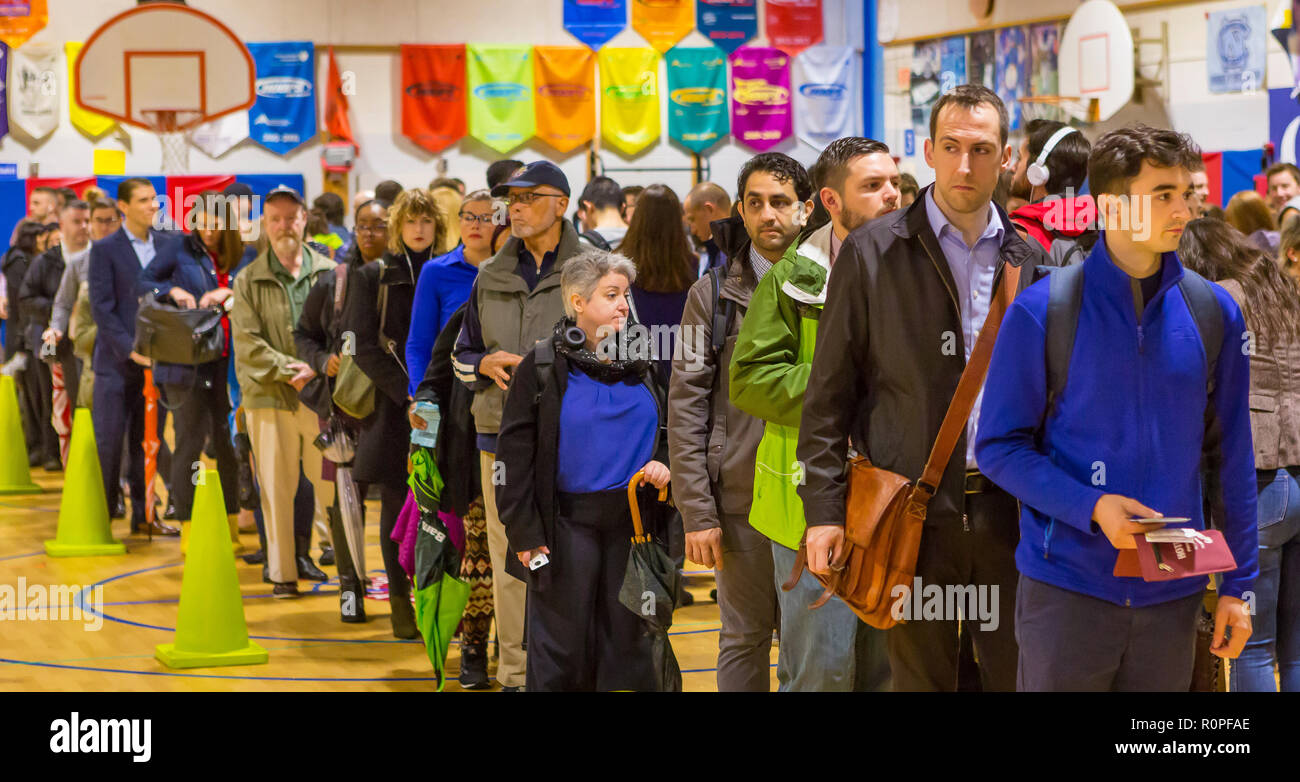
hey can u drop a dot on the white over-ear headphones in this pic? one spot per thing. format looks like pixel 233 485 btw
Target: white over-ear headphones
pixel 1037 172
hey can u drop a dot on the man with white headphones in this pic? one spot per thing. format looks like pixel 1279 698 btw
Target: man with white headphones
pixel 1050 172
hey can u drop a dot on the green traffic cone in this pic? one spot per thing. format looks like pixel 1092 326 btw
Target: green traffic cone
pixel 15 477
pixel 84 529
pixel 210 627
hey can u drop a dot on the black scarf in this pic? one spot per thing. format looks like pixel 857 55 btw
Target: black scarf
pixel 632 361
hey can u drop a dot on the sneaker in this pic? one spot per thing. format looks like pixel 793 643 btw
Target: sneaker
pixel 326 556
pixel 512 689
pixel 286 590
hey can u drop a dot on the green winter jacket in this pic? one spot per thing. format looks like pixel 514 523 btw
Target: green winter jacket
pixel 769 374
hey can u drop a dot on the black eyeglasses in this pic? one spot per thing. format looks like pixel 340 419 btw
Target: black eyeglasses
pixel 372 229
pixel 473 218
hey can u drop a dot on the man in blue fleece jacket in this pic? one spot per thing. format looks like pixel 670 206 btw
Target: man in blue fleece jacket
pixel 1124 439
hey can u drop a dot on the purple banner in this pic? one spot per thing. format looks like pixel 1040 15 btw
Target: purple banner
pixel 4 93
pixel 761 116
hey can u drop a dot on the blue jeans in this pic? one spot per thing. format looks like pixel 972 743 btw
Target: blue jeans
pixel 1276 635
pixel 828 649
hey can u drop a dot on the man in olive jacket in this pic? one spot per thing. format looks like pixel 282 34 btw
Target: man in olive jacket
pixel 515 302
pixel 268 300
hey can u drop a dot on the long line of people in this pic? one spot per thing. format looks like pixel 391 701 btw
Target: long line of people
pixel 829 312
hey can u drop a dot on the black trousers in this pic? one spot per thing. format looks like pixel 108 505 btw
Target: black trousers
pixel 204 410
pixel 923 653
pixel 580 637
pixel 118 412
pixel 43 408
pixel 391 499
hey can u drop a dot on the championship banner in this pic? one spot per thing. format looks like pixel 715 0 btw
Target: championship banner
pixel 761 115
pixel 697 96
pixel 728 24
pixel 500 94
pixel 33 89
pixel 4 93
pixel 219 136
pixel 794 25
pixel 629 98
pixel 565 98
pixel 433 95
pixel 20 20
pixel 595 22
pixel 189 186
pixel 88 122
pixel 284 116
pixel 663 22
pixel 822 101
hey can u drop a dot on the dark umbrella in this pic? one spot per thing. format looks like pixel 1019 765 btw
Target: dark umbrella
pixel 650 588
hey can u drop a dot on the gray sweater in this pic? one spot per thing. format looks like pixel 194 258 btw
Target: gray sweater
pixel 73 275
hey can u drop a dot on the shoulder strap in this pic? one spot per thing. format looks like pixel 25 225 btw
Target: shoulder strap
pixel 596 240
pixel 1064 300
pixel 724 313
pixel 963 399
pixel 340 287
pixel 543 358
pixel 1208 316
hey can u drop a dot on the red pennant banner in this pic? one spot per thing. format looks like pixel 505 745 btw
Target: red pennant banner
pixel 794 25
pixel 179 188
pixel 433 94
pixel 336 105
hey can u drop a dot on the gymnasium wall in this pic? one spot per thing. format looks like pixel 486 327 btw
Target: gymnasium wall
pixel 375 116
pixel 1217 122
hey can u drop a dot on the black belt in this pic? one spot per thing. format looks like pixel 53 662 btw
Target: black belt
pixel 979 483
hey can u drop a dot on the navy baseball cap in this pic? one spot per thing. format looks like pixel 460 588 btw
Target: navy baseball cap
pixel 237 189
pixel 284 191
pixel 542 172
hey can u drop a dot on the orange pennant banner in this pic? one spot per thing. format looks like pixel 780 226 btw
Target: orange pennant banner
pixel 564 78
pixel 663 22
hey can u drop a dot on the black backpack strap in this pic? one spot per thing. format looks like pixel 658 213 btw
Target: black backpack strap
pixel 596 240
pixel 1199 294
pixel 724 313
pixel 543 358
pixel 1064 300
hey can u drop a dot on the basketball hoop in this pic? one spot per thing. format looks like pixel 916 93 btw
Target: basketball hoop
pixel 170 125
pixel 1060 108
pixel 166 68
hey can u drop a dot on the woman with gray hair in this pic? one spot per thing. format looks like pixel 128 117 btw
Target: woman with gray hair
pixel 583 416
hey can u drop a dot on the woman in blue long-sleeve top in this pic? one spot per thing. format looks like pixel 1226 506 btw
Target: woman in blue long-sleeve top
pixel 445 282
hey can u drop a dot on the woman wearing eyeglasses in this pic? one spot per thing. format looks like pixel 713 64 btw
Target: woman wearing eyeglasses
pixel 445 282
pixel 381 332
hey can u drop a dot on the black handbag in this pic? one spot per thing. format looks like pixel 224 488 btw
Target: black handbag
pixel 172 335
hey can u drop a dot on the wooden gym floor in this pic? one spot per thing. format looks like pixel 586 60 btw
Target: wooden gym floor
pixel 310 649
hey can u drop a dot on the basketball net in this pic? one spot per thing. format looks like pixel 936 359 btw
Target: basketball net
pixel 171 137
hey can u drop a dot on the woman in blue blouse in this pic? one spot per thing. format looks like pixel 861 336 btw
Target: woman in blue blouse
pixel 573 434
pixel 445 282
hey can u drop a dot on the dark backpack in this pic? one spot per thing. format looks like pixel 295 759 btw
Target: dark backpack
pixel 1065 299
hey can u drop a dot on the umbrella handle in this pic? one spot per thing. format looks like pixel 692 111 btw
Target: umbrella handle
pixel 632 503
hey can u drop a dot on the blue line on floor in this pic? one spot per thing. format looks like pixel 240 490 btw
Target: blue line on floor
pixel 20 556
pixel 218 676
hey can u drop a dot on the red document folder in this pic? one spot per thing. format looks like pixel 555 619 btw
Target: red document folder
pixel 1181 560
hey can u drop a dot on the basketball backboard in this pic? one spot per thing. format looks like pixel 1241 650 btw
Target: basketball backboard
pixel 164 67
pixel 1096 57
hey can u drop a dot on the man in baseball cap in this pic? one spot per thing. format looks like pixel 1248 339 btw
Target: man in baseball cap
pixel 503 321
pixel 538 174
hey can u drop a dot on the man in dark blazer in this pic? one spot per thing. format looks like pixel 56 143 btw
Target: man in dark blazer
pixel 114 271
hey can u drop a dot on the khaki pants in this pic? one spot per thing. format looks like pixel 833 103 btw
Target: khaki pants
pixel 281 441
pixel 508 592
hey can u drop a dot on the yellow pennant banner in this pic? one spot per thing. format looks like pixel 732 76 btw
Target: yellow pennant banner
pixel 564 79
pixel 629 98
pixel 88 122
pixel 663 22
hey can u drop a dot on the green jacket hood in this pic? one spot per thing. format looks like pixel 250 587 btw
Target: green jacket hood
pixel 811 268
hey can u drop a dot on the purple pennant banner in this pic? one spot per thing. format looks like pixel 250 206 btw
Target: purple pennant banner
pixel 761 116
